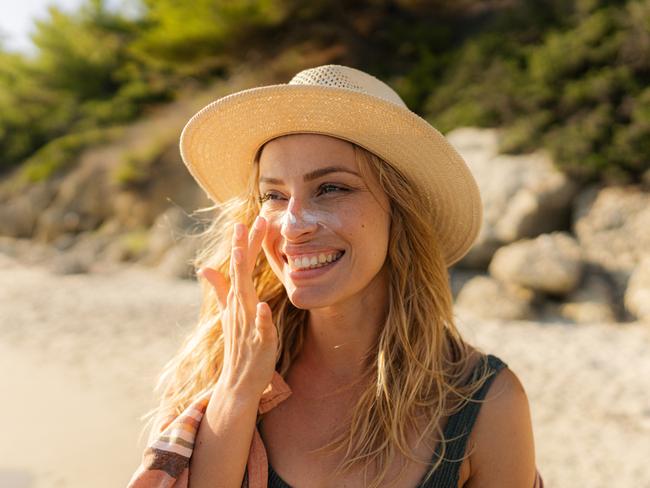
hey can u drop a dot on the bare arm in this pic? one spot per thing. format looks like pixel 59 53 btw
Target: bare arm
pixel 250 345
pixel 505 452
pixel 223 440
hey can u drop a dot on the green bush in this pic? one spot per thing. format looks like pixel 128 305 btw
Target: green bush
pixel 579 89
pixel 82 79
pixel 568 75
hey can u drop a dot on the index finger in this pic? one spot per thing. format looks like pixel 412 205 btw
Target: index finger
pixel 255 238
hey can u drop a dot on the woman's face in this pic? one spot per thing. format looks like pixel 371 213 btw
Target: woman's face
pixel 328 229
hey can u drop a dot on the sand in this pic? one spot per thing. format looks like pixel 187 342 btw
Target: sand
pixel 79 355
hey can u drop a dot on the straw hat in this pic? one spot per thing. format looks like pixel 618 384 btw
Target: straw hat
pixel 219 142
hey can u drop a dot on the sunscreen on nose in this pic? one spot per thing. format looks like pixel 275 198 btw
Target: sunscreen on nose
pixel 310 217
pixel 289 218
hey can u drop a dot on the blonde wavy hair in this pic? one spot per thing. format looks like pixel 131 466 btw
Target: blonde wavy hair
pixel 420 363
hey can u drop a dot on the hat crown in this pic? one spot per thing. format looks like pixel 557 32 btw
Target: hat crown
pixel 338 76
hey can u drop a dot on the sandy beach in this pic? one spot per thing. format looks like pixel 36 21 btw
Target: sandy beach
pixel 79 355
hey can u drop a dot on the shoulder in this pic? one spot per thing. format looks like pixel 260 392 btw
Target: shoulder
pixel 501 446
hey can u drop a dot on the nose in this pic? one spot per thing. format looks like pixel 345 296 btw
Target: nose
pixel 295 222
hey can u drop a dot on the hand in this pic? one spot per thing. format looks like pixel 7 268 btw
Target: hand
pixel 250 337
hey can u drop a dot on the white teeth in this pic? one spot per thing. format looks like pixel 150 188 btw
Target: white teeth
pixel 314 262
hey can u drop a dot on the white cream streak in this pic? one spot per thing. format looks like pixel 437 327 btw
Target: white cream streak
pixel 324 219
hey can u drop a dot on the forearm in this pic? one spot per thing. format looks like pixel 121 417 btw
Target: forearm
pixel 223 440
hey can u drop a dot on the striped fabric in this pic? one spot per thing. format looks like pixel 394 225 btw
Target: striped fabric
pixel 165 462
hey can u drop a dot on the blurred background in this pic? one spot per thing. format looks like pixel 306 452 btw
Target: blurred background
pixel 547 100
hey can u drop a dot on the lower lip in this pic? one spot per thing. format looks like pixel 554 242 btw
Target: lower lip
pixel 312 273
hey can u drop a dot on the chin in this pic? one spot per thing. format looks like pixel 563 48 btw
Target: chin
pixel 309 299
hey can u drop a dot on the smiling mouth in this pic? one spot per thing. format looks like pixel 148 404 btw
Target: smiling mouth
pixel 315 265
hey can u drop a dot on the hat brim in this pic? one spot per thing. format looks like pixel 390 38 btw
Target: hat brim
pixel 219 143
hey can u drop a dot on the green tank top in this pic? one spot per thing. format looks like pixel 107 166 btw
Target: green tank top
pixel 459 426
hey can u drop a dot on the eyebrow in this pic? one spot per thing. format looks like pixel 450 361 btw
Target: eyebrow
pixel 313 175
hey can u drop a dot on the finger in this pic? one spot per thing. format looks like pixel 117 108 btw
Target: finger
pixel 264 321
pixel 243 282
pixel 218 282
pixel 236 252
pixel 255 239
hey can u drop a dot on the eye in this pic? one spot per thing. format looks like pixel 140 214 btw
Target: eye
pixel 267 196
pixel 322 189
pixel 328 188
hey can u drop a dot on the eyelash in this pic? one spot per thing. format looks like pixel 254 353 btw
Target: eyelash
pixel 268 195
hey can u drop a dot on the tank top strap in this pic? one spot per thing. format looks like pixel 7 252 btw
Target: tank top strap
pixel 457 429
pixel 460 425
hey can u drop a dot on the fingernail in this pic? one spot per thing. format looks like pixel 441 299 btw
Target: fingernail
pixel 199 272
pixel 239 230
pixel 258 222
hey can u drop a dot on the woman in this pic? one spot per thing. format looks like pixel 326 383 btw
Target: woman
pixel 326 353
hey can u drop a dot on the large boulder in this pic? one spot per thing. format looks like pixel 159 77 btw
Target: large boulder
pixel 612 225
pixel 550 263
pixel 487 298
pixel 523 196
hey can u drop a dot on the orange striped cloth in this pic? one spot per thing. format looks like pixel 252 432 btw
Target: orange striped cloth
pixel 165 462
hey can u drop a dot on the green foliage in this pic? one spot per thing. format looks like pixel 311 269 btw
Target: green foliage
pixel 578 88
pixel 568 75
pixel 188 36
pixel 83 79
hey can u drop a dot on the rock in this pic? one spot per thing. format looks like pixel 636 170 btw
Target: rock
pixel 169 228
pixel 128 246
pixel 82 203
pixel 587 312
pixel 91 193
pixel 550 263
pixel 70 263
pixel 592 301
pixel 65 241
pixel 19 214
pixel 26 251
pixel 637 295
pixel 140 206
pixel 612 225
pixel 523 196
pixel 177 262
pixel 82 252
pixel 488 298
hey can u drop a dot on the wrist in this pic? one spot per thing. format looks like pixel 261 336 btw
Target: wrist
pixel 236 392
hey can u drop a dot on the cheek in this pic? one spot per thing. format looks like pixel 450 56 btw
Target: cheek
pixel 374 229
